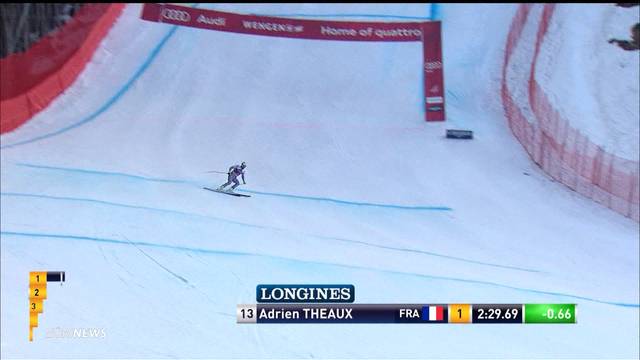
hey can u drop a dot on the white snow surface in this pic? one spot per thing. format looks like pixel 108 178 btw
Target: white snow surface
pixel 349 185
pixel 593 84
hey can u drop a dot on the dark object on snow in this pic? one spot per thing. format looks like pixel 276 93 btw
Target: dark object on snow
pixel 459 134
pixel 629 45
pixel 625 44
pixel 634 44
pixel 627 5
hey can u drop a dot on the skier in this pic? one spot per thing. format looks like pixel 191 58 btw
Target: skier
pixel 234 172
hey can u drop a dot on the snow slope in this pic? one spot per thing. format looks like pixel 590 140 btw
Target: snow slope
pixel 348 185
pixel 594 84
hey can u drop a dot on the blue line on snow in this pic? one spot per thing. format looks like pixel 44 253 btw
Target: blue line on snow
pixel 182 213
pixel 110 102
pixel 344 202
pixel 134 207
pixel 289 196
pixel 237 253
pixel 435 11
pixel 103 173
pixel 138 207
pixel 145 65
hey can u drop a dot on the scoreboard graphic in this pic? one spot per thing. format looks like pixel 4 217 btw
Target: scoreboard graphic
pixel 38 293
pixel 305 304
pixel 407 313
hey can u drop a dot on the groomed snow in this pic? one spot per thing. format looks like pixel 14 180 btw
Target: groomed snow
pixel 592 83
pixel 349 185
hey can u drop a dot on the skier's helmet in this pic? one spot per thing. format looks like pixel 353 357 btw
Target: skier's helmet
pixel 243 165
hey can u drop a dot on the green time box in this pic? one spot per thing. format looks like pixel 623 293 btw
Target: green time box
pixel 550 313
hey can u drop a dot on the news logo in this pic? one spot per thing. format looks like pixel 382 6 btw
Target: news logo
pixel 305 293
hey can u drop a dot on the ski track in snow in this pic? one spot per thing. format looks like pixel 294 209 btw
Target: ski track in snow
pixel 289 196
pixel 120 258
pixel 243 254
pixel 238 223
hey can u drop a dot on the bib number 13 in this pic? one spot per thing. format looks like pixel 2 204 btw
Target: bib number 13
pixel 246 314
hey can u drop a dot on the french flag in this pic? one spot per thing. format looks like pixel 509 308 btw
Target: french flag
pixel 433 313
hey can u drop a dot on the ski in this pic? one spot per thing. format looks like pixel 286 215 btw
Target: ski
pixel 226 192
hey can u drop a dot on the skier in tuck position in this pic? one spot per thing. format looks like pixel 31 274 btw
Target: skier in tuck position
pixel 234 172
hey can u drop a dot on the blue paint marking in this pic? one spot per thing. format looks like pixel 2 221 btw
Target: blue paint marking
pixel 182 213
pixel 102 173
pixel 344 202
pixel 129 206
pixel 435 11
pixel 279 258
pixel 289 196
pixel 145 65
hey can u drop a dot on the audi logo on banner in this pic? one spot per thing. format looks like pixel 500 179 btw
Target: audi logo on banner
pixel 177 15
pixel 432 65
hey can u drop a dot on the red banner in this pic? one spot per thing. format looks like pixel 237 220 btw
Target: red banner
pixel 427 32
pixel 22 71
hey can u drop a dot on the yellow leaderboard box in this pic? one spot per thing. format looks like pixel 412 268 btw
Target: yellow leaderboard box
pixel 37 278
pixel 33 320
pixel 460 313
pixel 35 306
pixel 38 291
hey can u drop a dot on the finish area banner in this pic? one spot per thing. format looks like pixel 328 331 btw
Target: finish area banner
pixel 429 33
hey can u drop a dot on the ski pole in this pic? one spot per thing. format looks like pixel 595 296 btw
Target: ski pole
pixel 218 172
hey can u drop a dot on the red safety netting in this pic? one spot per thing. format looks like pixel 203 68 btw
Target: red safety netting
pixel 29 81
pixel 562 151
